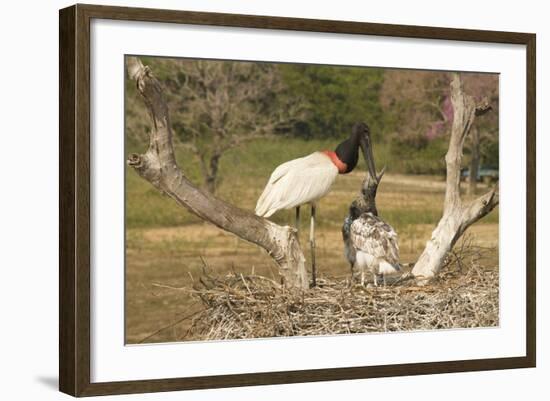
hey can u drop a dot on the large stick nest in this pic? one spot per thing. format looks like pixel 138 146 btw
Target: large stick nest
pixel 241 306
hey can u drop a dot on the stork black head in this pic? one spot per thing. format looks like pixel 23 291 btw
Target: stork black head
pixel 348 151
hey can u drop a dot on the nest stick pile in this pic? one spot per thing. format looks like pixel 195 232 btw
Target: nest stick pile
pixel 241 306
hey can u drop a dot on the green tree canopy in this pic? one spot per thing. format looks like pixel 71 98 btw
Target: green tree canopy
pixel 335 98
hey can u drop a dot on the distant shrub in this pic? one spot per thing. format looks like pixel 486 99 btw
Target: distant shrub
pixel 416 154
pixel 403 144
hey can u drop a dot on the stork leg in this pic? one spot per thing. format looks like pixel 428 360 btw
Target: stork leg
pixel 312 245
pixel 298 221
pixel 375 279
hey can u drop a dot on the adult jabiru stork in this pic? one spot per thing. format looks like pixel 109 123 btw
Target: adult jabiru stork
pixel 308 179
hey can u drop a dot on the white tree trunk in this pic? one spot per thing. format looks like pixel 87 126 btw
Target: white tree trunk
pixel 158 166
pixel 457 217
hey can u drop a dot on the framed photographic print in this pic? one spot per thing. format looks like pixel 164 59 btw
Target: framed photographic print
pixel 250 200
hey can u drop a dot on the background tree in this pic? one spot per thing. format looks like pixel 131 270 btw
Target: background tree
pixel 417 100
pixel 419 114
pixel 334 98
pixel 217 106
pixel 483 142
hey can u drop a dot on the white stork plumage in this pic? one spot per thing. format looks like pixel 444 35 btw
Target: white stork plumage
pixel 296 182
pixel 307 179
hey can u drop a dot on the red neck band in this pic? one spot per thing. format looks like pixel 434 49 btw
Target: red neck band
pixel 340 165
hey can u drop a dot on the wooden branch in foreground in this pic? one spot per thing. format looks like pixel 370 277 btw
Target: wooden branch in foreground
pixel 158 166
pixel 457 216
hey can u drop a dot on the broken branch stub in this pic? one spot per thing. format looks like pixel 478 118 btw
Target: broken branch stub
pixel 457 216
pixel 158 166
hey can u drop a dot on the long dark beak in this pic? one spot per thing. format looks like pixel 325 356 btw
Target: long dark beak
pixel 366 147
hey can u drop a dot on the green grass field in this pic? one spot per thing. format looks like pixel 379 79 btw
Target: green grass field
pixel 166 246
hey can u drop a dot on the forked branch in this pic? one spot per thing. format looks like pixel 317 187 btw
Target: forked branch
pixel 158 166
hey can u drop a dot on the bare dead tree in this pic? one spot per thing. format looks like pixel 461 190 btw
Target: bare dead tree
pixel 457 215
pixel 158 166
